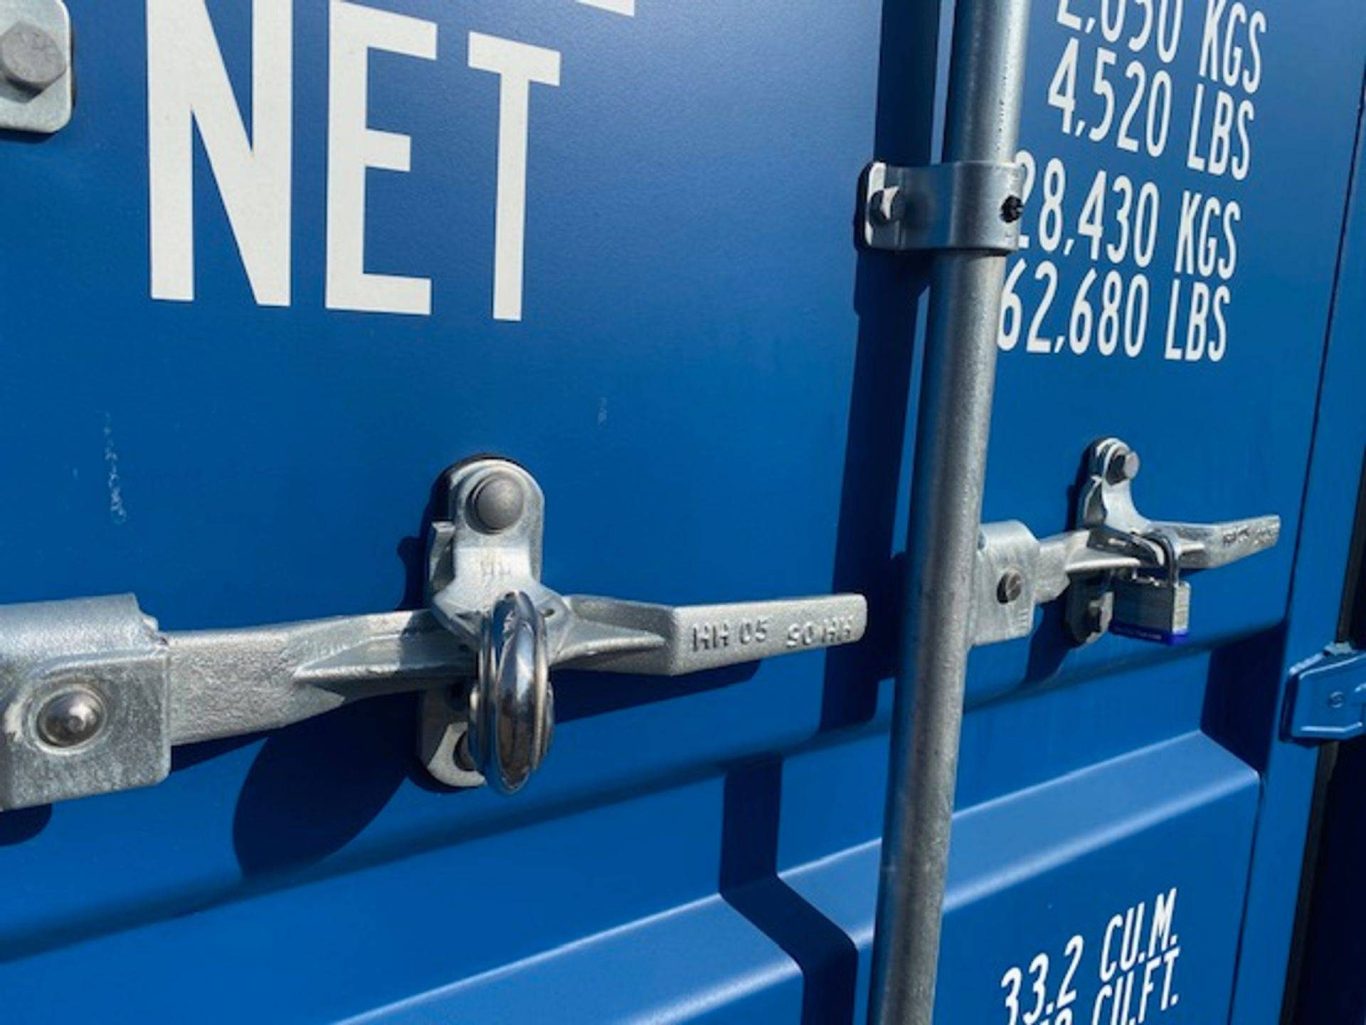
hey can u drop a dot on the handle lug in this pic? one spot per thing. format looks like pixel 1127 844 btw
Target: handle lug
pixel 1120 570
pixel 93 696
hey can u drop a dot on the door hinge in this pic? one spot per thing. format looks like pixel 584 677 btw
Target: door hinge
pixel 1327 696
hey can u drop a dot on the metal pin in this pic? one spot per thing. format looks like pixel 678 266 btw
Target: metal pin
pixel 497 503
pixel 1010 586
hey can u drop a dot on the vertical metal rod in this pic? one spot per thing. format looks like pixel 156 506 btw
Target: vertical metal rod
pixel 986 86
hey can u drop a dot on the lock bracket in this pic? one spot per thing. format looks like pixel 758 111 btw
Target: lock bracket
pixel 1120 571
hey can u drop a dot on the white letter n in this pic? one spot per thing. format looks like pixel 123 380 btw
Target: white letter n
pixel 187 85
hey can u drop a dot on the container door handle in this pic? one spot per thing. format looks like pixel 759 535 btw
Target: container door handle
pixel 1121 572
pixel 93 695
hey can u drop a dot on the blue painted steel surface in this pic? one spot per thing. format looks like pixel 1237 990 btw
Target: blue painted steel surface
pixel 1332 991
pixel 1327 698
pixel 711 385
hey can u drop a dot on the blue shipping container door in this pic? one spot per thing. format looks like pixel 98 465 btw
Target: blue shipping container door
pixel 292 259
pixel 1329 581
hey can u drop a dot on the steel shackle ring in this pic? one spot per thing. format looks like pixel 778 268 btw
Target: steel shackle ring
pixel 511 705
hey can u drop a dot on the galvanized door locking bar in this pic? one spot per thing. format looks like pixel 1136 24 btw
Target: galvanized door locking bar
pixel 1121 571
pixel 93 696
pixel 976 227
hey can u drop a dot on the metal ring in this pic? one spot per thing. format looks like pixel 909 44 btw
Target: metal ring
pixel 512 712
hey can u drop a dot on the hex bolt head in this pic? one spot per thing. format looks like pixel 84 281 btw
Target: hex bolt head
pixel 1337 699
pixel 1124 465
pixel 71 718
pixel 1012 209
pixel 30 58
pixel 497 502
pixel 1010 586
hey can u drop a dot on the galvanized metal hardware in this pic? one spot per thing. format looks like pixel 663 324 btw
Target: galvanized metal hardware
pixel 1328 696
pixel 93 695
pixel 1122 572
pixel 962 205
pixel 35 66
pixel 981 126
pixel 484 569
pixel 71 718
pixel 511 705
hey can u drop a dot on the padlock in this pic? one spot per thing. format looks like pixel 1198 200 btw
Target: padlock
pixel 1152 609
pixel 1154 606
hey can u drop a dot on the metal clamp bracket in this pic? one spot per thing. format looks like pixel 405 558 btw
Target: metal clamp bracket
pixel 93 696
pixel 966 205
pixel 1328 696
pixel 1121 571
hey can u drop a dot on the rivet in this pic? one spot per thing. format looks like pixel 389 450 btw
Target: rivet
pixel 1010 586
pixel 71 718
pixel 497 502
